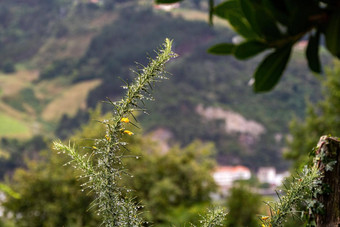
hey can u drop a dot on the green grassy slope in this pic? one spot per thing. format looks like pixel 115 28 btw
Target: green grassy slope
pixel 10 126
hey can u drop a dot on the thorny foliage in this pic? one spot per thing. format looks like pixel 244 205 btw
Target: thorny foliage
pixel 214 217
pixel 303 191
pixel 103 167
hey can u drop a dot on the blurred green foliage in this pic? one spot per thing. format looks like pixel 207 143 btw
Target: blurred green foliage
pixel 171 182
pixel 167 183
pixel 15 152
pixel 50 195
pixel 58 68
pixel 8 67
pixel 322 118
pixel 22 31
pixel 243 206
pixel 68 125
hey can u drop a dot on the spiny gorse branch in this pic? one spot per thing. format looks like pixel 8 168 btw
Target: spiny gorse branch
pixel 302 190
pixel 305 189
pixel 214 217
pixel 103 168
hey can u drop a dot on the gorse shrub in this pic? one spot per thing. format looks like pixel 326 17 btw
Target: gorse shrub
pixel 102 165
pixel 298 198
pixel 304 197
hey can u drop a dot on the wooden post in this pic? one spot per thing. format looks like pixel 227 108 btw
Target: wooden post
pixel 328 154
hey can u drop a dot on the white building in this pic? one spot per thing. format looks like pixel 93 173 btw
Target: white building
pixel 269 175
pixel 224 176
pixel 167 7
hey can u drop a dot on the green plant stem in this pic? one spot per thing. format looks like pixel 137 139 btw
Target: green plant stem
pixel 103 168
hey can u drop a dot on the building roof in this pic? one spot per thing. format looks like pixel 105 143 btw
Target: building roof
pixel 232 169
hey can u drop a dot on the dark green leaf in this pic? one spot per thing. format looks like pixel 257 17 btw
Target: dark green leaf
pixel 312 53
pixel 267 24
pixel 242 27
pixel 332 34
pixel 249 49
pixel 278 10
pixel 249 10
pixel 261 21
pixel 232 12
pixel 270 70
pixel 211 11
pixel 222 49
pixel 225 8
pixel 290 5
pixel 300 20
pixel 166 1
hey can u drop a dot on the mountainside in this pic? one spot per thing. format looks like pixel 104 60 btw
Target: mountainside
pixel 77 52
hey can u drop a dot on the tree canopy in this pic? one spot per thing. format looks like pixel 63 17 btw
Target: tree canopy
pixel 322 119
pixel 274 27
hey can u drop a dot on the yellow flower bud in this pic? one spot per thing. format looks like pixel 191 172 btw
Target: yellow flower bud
pixel 128 132
pixel 125 120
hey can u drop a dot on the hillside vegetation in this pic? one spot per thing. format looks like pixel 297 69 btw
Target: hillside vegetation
pixel 77 52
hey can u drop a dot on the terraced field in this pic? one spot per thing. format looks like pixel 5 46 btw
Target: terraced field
pixel 27 107
pixel 10 126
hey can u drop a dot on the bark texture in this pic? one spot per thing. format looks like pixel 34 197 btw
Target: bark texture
pixel 329 151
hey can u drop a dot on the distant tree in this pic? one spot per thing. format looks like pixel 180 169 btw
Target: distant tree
pixel 58 68
pixel 243 206
pixel 177 179
pixel 49 195
pixel 68 125
pixel 8 67
pixel 49 191
pixel 275 26
pixel 14 153
pixel 321 119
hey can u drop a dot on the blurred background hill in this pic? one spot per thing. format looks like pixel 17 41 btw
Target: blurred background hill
pixel 59 58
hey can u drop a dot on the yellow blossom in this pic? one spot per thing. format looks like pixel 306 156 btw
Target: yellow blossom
pixel 94 147
pixel 107 137
pixel 263 225
pixel 128 132
pixel 264 218
pixel 125 120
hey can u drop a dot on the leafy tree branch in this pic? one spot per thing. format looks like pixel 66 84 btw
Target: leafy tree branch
pixel 276 26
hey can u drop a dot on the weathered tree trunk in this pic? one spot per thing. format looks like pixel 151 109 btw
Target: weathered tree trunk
pixel 329 151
